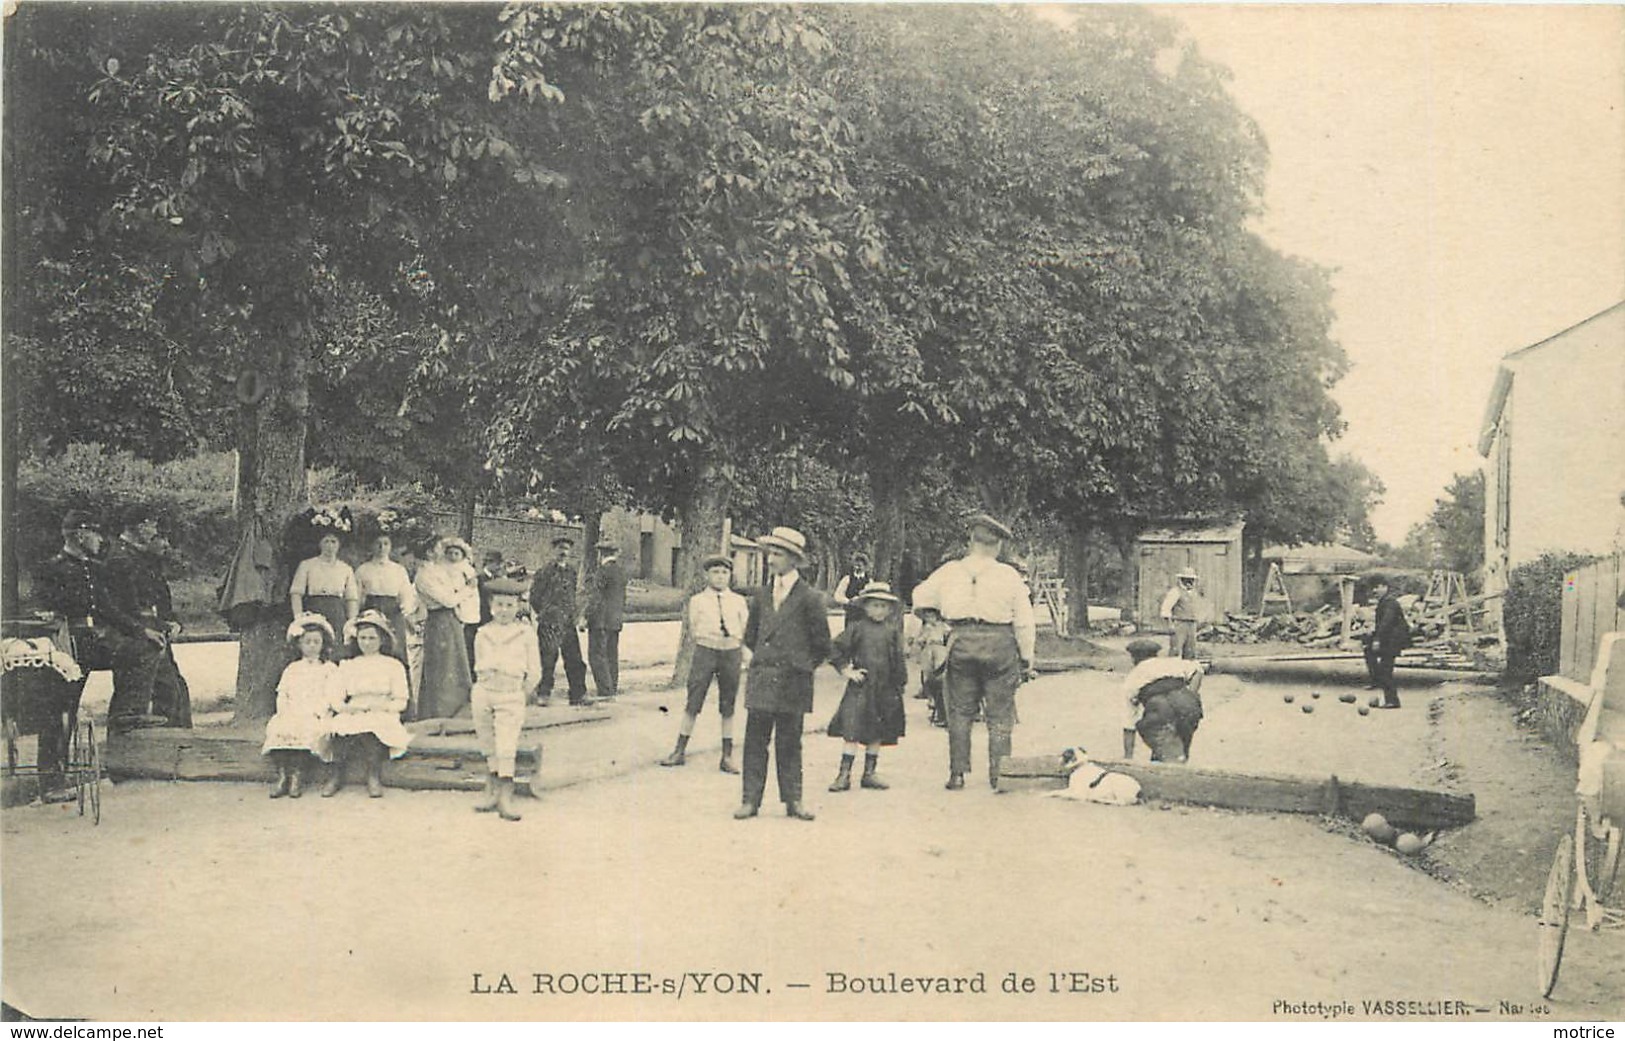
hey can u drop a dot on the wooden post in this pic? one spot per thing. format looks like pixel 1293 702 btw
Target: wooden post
pixel 1346 590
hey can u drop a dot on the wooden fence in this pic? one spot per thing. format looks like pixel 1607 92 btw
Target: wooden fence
pixel 1590 609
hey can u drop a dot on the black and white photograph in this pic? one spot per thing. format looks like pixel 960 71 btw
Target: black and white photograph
pixel 808 513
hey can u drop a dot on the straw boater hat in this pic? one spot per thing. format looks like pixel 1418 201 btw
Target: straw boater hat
pixel 377 621
pixel 788 539
pixel 878 591
pixel 1189 573
pixel 716 560
pixel 990 522
pixel 309 621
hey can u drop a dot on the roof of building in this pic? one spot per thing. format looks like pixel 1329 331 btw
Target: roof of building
pixel 1503 380
pixel 1319 558
pixel 1196 532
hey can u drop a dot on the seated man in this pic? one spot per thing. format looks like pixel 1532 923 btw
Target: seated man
pixel 76 587
pixel 1162 702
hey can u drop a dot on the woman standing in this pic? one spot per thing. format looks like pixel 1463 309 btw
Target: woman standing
pixel 326 585
pixel 387 588
pixel 447 587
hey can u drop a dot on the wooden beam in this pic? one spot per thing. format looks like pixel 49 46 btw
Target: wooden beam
pixel 1314 669
pixel 1407 808
pixel 448 763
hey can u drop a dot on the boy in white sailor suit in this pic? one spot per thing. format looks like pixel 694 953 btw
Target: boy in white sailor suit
pixel 510 667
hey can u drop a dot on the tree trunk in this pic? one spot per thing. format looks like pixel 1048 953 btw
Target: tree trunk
pixel 10 460
pixel 1252 572
pixel 467 500
pixel 1075 569
pixel 700 516
pixel 271 486
pixel 1128 548
pixel 890 497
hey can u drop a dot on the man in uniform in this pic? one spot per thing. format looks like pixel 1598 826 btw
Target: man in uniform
pixel 553 601
pixel 606 606
pixel 990 649
pixel 787 633
pixel 135 565
pixel 76 587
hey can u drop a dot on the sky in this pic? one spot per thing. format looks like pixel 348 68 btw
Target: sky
pixel 1462 168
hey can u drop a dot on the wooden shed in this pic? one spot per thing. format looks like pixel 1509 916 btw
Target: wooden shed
pixel 1213 550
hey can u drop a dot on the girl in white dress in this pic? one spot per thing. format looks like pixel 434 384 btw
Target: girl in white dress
pixel 369 693
pixel 300 729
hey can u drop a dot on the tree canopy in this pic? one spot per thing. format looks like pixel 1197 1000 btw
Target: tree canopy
pixel 646 253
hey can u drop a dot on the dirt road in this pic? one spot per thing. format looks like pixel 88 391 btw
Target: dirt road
pixel 208 901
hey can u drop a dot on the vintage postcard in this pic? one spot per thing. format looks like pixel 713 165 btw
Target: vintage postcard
pixel 852 512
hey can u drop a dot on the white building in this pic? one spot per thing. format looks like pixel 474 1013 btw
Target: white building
pixel 1554 443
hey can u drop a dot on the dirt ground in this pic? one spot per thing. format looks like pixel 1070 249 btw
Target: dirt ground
pixel 209 901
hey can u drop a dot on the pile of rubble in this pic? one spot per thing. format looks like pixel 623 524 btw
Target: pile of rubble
pixel 1320 628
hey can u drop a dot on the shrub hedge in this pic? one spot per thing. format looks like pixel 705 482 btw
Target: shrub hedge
pixel 1532 614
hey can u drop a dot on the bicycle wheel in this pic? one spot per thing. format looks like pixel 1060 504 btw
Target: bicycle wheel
pixel 94 761
pixel 1554 915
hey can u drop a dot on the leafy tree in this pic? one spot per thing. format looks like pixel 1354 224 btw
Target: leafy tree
pixel 245 159
pixel 1453 535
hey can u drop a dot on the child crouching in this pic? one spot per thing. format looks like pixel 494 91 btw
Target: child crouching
pixel 299 730
pixel 510 667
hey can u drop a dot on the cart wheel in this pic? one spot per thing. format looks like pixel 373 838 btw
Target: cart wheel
pixel 1554 914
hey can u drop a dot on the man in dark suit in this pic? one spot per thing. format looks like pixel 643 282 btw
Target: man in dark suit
pixel 135 565
pixel 1390 634
pixel 75 586
pixel 606 607
pixel 553 601
pixel 787 635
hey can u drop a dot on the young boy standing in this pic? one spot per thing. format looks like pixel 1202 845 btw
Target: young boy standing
pixel 510 666
pixel 717 617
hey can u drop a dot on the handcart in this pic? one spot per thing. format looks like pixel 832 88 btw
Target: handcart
pixel 1585 869
pixel 39 695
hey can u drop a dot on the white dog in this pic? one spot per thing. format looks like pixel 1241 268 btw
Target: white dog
pixel 1089 783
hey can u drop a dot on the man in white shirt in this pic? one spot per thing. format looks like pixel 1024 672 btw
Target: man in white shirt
pixel 1162 703
pixel 1182 610
pixel 717 617
pixel 989 610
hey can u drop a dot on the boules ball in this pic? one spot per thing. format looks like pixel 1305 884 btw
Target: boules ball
pixel 1308 708
pixel 1315 694
pixel 1373 701
pixel 1289 698
pixel 1409 844
pixel 1347 699
pixel 1365 710
pixel 1377 828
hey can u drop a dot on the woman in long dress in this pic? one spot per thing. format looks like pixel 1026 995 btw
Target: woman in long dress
pixel 326 585
pixel 447 587
pixel 368 696
pixel 387 588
